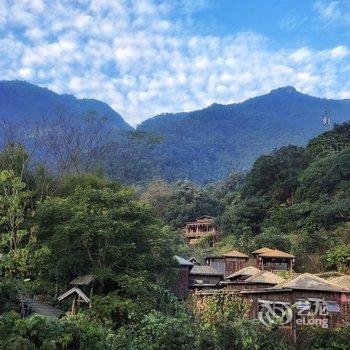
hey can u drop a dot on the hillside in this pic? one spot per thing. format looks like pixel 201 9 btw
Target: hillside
pixel 205 145
pixel 22 102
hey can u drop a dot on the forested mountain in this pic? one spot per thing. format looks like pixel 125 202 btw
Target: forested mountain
pixel 22 102
pixel 55 226
pixel 205 145
pixel 202 146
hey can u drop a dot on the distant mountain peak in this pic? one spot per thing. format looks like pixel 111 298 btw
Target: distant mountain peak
pixel 24 102
pixel 285 89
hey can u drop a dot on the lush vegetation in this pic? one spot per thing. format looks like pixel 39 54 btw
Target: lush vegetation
pixel 53 229
pixel 55 226
pixel 297 199
pixel 294 199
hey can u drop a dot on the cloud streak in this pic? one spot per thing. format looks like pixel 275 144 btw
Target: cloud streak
pixel 144 57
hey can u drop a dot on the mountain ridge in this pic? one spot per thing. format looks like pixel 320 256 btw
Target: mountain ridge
pixel 21 101
pixel 225 137
pixel 203 145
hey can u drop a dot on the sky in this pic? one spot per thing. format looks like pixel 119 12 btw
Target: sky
pixel 146 57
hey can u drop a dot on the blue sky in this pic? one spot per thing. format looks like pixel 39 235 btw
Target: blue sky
pixel 146 57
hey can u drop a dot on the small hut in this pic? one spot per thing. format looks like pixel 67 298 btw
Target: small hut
pixel 228 263
pixel 180 287
pixel 82 286
pixel 316 300
pixel 204 277
pixel 274 260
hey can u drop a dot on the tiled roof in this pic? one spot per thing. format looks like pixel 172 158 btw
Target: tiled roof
pixel 343 281
pixel 247 271
pixel 83 280
pixel 275 253
pixel 182 261
pixel 235 254
pixel 265 277
pixel 40 308
pixel 308 281
pixel 204 271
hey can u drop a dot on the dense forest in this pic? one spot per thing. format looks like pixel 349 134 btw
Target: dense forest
pixel 69 219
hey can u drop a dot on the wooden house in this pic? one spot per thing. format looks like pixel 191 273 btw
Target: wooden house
pixel 228 263
pixel 203 226
pixel 181 284
pixel 274 260
pixel 204 277
pixel 315 301
pixel 251 278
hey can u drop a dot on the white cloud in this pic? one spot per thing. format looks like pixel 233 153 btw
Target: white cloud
pixel 301 54
pixel 339 52
pixel 333 11
pixel 142 57
pixel 25 73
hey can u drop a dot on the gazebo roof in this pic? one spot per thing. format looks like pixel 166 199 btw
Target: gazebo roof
pixel 261 250
pixel 83 280
pixel 274 253
pixel 73 291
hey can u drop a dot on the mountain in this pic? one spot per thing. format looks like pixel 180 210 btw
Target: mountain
pixel 205 145
pixel 22 102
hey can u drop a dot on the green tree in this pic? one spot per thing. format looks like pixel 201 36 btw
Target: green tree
pixel 14 210
pixel 187 202
pixel 102 229
pixel 336 257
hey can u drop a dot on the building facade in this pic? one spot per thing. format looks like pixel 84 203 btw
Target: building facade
pixel 203 226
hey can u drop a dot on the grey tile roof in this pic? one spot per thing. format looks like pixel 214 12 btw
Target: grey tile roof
pixel 205 271
pixel 83 280
pixel 40 308
pixel 182 261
